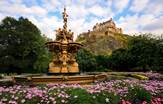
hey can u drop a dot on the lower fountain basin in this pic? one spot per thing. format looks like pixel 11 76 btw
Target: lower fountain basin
pixel 61 79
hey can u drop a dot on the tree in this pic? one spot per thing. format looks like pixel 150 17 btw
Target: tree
pixel 21 45
pixel 86 60
pixel 144 48
pixel 103 62
pixel 122 60
pixel 143 53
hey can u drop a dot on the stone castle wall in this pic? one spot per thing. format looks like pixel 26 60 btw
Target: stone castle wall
pixel 101 29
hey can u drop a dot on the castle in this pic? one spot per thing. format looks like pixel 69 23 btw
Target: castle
pixel 102 29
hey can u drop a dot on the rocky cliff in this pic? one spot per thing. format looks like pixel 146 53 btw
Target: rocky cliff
pixel 103 39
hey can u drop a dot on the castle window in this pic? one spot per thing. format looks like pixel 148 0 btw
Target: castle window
pixel 106 33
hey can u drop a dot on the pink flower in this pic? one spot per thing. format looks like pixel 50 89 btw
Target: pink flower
pixel 1 102
pixel 144 102
pixel 125 102
pixel 12 102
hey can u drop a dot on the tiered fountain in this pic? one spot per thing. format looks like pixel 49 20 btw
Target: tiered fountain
pixel 63 68
pixel 64 49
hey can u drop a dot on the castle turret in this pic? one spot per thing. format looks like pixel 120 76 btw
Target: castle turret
pixel 107 26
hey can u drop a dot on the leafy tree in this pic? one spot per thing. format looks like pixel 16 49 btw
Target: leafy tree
pixel 86 60
pixel 102 62
pixel 21 45
pixel 122 60
pixel 143 52
pixel 147 51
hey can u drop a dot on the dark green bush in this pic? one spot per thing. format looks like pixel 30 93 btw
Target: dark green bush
pixel 106 98
pixel 137 94
pixel 80 96
pixel 22 49
pixel 86 60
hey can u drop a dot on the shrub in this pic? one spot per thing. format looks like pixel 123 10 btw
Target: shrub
pixel 86 60
pixel 106 98
pixel 141 77
pixel 79 96
pixel 137 94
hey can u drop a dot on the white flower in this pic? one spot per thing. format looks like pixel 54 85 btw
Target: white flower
pixel 75 96
pixel 4 99
pixel 54 102
pixel 16 98
pixel 23 100
pixel 51 98
pixel 62 100
pixel 107 100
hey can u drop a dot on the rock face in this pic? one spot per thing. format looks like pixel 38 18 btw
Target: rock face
pixel 103 38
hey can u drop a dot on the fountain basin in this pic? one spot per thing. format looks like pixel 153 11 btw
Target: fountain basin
pixel 60 79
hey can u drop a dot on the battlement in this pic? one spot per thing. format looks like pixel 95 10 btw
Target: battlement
pixel 104 28
pixel 107 26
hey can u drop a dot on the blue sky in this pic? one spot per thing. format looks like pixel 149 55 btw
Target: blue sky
pixel 133 16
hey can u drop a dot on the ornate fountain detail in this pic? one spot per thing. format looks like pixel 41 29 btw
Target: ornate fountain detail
pixel 64 49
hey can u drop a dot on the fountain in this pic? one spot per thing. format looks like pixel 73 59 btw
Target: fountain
pixel 65 49
pixel 63 68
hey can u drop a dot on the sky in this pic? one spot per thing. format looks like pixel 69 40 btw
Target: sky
pixel 133 16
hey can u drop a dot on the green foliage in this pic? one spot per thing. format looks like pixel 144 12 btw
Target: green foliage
pixel 86 60
pixel 143 53
pixel 102 44
pixel 80 96
pixel 121 60
pixel 138 76
pixel 160 94
pixel 102 62
pixel 90 62
pixel 147 52
pixel 137 94
pixel 22 46
pixel 106 98
pixel 142 48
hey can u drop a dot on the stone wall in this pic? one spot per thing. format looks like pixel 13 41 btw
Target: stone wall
pixel 101 29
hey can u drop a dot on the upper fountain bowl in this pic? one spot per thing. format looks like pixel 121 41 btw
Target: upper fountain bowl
pixel 56 46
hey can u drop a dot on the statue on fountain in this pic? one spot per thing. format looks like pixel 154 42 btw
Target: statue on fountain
pixel 64 48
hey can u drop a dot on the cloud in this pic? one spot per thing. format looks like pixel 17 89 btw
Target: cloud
pixel 21 9
pixel 138 5
pixel 155 8
pixel 76 11
pixel 120 4
pixel 144 23
pixel 99 11
pixel 142 15
pixel 129 23
pixel 47 25
pixel 2 16
pixel 155 26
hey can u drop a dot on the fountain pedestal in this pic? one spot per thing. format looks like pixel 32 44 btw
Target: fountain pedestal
pixel 70 68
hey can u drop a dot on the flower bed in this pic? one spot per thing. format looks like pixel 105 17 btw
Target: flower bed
pixel 110 92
